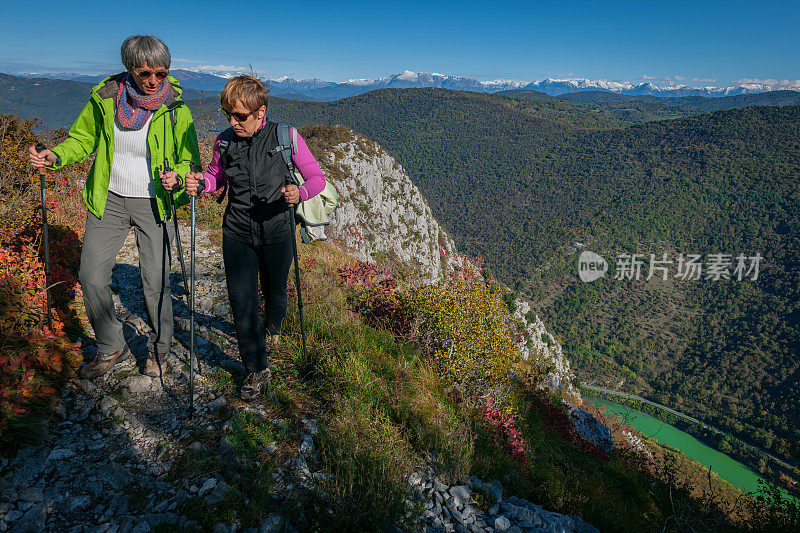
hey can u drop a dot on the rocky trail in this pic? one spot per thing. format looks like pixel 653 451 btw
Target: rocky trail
pixel 121 454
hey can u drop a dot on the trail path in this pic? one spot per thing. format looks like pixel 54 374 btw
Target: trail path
pixel 106 464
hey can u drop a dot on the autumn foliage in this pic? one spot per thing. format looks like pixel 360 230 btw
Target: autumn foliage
pixel 35 358
pixel 465 333
pixel 506 432
pixel 464 328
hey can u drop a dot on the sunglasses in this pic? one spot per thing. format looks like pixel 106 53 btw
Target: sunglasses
pixel 240 117
pixel 145 74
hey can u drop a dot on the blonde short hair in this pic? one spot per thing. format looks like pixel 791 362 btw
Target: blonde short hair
pixel 247 89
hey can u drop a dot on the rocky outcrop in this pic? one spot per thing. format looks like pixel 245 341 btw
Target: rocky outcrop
pixel 479 507
pixel 591 429
pixel 535 342
pixel 382 214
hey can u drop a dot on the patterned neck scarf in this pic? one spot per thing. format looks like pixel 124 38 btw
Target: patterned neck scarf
pixel 133 107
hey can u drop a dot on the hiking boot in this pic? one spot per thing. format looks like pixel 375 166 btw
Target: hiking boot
pixel 255 384
pixel 154 365
pixel 272 342
pixel 102 362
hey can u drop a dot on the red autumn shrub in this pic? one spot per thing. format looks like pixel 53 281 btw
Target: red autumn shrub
pixel 375 297
pixel 506 433
pixel 35 358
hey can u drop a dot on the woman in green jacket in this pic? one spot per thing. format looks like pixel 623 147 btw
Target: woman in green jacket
pixel 135 122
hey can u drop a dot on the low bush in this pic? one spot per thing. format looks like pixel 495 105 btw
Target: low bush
pixel 35 358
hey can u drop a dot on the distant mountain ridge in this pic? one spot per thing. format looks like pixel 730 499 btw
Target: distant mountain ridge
pixel 550 86
pixel 58 101
pixel 327 90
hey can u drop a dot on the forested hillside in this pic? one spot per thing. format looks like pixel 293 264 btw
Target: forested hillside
pixel 521 181
pixel 636 109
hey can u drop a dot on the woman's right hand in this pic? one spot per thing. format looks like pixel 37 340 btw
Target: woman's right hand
pixel 192 179
pixel 40 159
pixel 169 180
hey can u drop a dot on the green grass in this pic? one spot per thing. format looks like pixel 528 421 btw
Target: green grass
pixel 378 391
pixel 222 380
pixel 250 433
pixel 118 395
pixel 122 374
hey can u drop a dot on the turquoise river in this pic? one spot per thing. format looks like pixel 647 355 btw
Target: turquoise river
pixel 728 469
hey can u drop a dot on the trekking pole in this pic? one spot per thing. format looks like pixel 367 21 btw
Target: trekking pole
pixel 40 147
pixel 177 230
pixel 189 293
pixel 297 274
pixel 191 316
pixel 192 356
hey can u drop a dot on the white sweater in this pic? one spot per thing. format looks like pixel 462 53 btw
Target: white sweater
pixel 130 165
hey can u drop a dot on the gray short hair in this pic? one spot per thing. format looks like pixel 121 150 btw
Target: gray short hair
pixel 140 49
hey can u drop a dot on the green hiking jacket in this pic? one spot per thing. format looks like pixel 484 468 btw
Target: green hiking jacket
pixel 93 131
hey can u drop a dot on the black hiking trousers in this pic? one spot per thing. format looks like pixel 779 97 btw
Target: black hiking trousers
pixel 244 263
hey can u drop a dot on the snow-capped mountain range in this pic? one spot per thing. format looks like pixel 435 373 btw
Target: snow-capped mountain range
pixel 551 86
pixel 316 89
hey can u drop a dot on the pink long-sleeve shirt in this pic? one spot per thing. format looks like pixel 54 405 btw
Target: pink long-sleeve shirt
pixel 215 178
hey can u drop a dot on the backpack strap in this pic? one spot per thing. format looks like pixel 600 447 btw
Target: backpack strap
pixel 224 145
pixel 286 144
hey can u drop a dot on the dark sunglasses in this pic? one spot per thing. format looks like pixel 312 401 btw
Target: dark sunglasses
pixel 145 74
pixel 240 117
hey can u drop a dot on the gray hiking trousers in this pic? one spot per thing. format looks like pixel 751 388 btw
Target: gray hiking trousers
pixel 102 241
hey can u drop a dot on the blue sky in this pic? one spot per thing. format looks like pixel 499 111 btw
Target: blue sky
pixel 689 42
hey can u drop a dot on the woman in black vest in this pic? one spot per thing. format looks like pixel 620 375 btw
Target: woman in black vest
pixel 256 238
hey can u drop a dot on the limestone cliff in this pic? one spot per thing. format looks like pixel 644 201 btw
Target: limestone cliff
pixel 536 342
pixel 382 214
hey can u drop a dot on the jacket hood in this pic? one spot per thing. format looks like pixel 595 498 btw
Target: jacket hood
pixel 109 86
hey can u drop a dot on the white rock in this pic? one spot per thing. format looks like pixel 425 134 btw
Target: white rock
pixel 13 516
pixel 302 467
pixel 216 404
pixel 208 485
pixel 137 384
pixel 59 454
pixel 501 523
pixel 106 404
pixel 307 445
pixel 312 426
pixel 382 212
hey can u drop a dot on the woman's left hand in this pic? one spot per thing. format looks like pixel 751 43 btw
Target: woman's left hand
pixel 169 180
pixel 292 194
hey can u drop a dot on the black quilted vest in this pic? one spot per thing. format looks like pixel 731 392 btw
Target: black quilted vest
pixel 257 212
